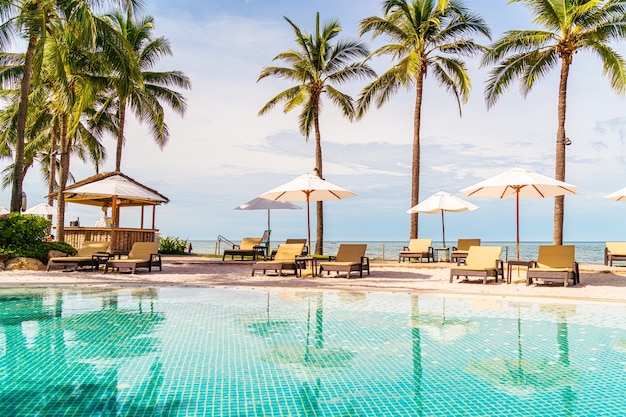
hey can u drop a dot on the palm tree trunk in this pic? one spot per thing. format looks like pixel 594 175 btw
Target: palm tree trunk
pixel 120 135
pixel 18 170
pixel 64 170
pixel 415 169
pixel 52 174
pixel 559 201
pixel 319 221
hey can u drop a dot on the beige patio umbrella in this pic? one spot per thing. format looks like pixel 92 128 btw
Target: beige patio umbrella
pixel 41 209
pixel 265 204
pixel 307 188
pixel 619 195
pixel 519 183
pixel 440 202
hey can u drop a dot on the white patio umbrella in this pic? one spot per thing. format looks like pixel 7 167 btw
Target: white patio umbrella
pixel 519 183
pixel 42 209
pixel 307 188
pixel 619 195
pixel 265 204
pixel 440 202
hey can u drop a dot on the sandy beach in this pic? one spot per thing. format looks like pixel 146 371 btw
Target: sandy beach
pixel 598 282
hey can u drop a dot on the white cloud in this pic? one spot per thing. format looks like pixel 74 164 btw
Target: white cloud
pixel 222 154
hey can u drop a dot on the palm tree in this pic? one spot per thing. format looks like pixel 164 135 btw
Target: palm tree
pixel 31 19
pixel 315 67
pixel 44 119
pixel 68 67
pixel 143 91
pixel 426 35
pixel 569 26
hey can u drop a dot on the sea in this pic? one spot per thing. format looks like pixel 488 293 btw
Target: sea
pixel 586 252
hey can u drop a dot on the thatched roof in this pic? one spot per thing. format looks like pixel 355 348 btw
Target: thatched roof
pixel 99 190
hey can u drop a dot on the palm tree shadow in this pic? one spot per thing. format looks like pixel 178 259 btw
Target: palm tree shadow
pixel 400 275
pixel 601 279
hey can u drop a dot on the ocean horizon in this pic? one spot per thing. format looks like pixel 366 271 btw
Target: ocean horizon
pixel 587 252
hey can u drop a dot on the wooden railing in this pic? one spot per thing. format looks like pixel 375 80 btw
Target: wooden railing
pixel 123 238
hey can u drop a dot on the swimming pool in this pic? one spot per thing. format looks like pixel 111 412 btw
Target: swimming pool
pixel 258 352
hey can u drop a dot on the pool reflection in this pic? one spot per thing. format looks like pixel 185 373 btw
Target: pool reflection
pixel 61 361
pixel 179 352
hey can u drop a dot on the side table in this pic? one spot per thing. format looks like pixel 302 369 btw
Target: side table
pixel 100 258
pixel 446 253
pixel 301 262
pixel 510 264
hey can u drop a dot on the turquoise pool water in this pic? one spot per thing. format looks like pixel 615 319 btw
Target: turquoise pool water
pixel 254 352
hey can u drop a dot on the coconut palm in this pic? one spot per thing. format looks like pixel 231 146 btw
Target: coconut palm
pixel 315 67
pixel 426 36
pixel 68 69
pixel 145 90
pixel 568 26
pixel 31 19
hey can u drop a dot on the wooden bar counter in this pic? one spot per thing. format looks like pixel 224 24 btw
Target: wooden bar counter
pixel 123 237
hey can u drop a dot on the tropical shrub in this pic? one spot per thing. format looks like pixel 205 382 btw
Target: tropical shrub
pixel 172 245
pixel 24 235
pixel 22 229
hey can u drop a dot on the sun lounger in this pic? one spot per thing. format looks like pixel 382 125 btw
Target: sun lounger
pixel 418 249
pixel 305 250
pixel 350 257
pixel 459 252
pixel 141 255
pixel 481 261
pixel 555 263
pixel 614 251
pixel 249 246
pixel 84 256
pixel 285 258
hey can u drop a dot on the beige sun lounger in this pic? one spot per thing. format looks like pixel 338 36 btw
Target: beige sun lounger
pixel 141 255
pixel 350 257
pixel 614 251
pixel 305 250
pixel 459 252
pixel 481 261
pixel 285 258
pixel 249 246
pixel 555 263
pixel 83 257
pixel 418 249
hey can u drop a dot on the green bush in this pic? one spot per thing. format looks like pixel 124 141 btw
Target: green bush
pixel 24 235
pixel 171 245
pixel 22 229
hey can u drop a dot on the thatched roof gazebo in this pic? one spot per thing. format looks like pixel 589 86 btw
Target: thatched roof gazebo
pixel 114 190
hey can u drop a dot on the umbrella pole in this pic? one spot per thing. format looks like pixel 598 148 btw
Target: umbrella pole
pixel 268 228
pixel 443 229
pixel 517 225
pixel 308 218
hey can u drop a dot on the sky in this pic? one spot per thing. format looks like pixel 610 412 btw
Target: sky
pixel 222 154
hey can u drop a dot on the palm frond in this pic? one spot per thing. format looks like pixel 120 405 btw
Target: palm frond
pixel 518 42
pixel 453 76
pixel 379 91
pixel 536 67
pixel 613 65
pixel 501 77
pixel 341 100
pixel 283 96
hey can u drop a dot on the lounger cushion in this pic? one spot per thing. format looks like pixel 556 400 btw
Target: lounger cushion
pixel 350 257
pixel 554 263
pixel 83 255
pixel 285 258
